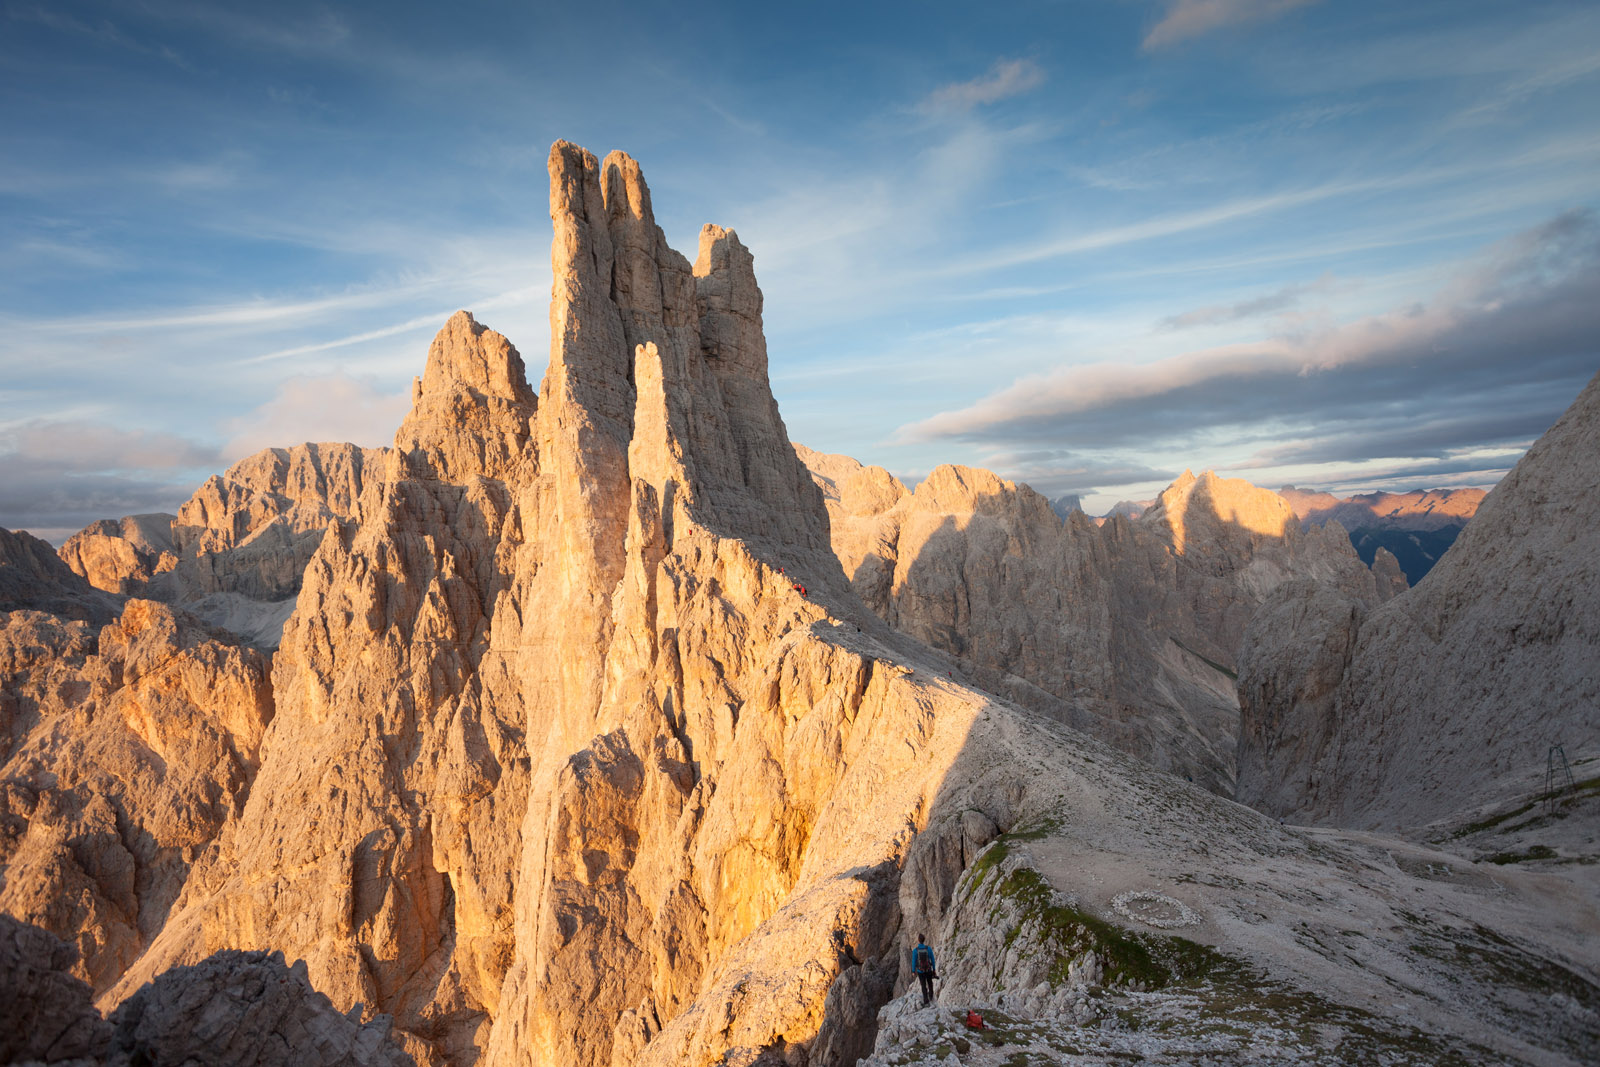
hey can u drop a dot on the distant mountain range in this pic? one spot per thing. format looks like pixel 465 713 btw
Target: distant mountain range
pixel 1417 526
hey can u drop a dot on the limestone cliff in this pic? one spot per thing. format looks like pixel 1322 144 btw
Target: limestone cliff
pixel 558 742
pixel 1127 629
pixel 235 552
pixel 1440 699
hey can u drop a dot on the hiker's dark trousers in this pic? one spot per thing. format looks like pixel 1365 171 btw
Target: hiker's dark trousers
pixel 927 987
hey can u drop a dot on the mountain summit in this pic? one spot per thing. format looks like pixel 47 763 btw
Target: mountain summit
pixel 579 747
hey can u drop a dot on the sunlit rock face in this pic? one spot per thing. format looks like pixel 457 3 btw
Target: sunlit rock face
pixel 1438 700
pixel 1127 629
pixel 579 736
pixel 1419 509
pixel 235 552
pixel 125 747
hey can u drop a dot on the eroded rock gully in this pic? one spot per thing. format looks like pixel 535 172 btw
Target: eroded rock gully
pixel 580 748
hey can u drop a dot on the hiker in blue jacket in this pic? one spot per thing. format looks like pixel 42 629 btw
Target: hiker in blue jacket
pixel 922 964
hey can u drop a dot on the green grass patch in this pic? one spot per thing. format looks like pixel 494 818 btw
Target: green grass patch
pixel 1494 820
pixel 1585 788
pixel 1533 852
pixel 1149 960
pixel 996 853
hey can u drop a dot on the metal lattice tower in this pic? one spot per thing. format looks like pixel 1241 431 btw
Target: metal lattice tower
pixel 1557 776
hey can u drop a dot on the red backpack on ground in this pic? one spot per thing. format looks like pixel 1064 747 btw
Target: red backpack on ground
pixel 974 1020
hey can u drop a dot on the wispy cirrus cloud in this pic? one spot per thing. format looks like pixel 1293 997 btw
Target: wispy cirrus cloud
pixel 1180 222
pixel 1215 314
pixel 242 313
pixel 313 33
pixel 1192 18
pixel 1007 78
pixel 1533 84
pixel 102 31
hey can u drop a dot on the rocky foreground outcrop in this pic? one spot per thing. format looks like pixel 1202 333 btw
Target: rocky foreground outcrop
pixel 1128 629
pixel 238 1009
pixel 581 749
pixel 124 750
pixel 1440 700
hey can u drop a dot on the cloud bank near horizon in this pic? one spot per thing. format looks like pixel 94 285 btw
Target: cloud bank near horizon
pixel 1487 362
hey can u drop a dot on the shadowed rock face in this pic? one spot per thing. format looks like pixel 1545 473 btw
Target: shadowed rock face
pixel 46 1014
pixel 32 577
pixel 236 1008
pixel 245 1008
pixel 1128 629
pixel 1434 702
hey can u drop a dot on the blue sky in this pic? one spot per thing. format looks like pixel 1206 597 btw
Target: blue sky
pixel 1086 244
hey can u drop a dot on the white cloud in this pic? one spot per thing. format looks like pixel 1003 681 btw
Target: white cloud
pixel 58 475
pixel 1542 158
pixel 1192 18
pixel 79 446
pixel 73 254
pixel 420 322
pixel 333 407
pixel 256 312
pixel 198 177
pixel 431 321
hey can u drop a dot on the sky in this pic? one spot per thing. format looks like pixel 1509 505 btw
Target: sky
pixel 1084 243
